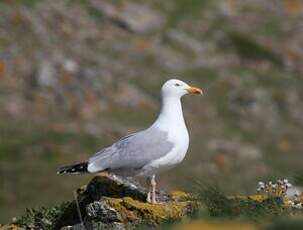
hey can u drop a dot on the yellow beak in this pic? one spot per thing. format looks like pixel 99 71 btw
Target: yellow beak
pixel 194 90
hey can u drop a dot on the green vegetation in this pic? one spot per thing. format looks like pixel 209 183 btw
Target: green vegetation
pixel 254 207
pixel 42 218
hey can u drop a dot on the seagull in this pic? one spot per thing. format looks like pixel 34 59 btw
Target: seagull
pixel 146 153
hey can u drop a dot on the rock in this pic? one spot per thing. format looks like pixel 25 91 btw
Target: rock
pixel 112 186
pixel 101 210
pixel 109 202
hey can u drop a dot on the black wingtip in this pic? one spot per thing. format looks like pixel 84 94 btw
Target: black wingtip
pixel 73 169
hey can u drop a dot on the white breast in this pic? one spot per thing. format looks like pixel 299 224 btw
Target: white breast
pixel 180 139
pixel 170 120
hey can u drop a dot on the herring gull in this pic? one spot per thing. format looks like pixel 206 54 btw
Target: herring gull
pixel 145 153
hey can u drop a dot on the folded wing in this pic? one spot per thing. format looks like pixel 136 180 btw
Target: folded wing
pixel 132 152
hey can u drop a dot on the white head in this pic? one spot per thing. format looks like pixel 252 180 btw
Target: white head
pixel 177 88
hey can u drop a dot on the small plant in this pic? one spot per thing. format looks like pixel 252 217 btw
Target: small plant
pixel 40 218
pixel 277 189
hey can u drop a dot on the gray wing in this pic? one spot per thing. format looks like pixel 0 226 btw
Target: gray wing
pixel 132 152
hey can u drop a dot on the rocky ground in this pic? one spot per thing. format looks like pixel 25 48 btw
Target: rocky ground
pixel 109 202
pixel 77 75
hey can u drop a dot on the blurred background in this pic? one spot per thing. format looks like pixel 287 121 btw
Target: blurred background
pixel 76 75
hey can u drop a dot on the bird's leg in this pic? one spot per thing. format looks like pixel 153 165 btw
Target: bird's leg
pixel 153 192
pixel 148 182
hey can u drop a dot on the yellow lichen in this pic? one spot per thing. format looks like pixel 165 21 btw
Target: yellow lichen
pixel 127 215
pixel 257 198
pixel 132 210
pixel 177 195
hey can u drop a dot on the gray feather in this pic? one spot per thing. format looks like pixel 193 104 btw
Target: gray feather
pixel 132 152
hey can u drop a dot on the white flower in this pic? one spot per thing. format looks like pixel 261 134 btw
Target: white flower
pixel 260 183
pixel 285 181
pixel 290 202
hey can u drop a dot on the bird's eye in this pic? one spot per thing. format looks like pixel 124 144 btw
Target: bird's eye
pixel 177 84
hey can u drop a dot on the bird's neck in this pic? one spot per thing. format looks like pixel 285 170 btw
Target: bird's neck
pixel 170 113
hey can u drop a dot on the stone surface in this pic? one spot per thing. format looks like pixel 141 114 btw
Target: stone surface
pixel 116 203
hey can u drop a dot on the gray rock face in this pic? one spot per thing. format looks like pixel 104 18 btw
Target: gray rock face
pixel 101 211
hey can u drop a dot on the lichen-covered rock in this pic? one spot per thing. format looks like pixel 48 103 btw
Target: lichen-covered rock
pixel 109 202
pixel 138 211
